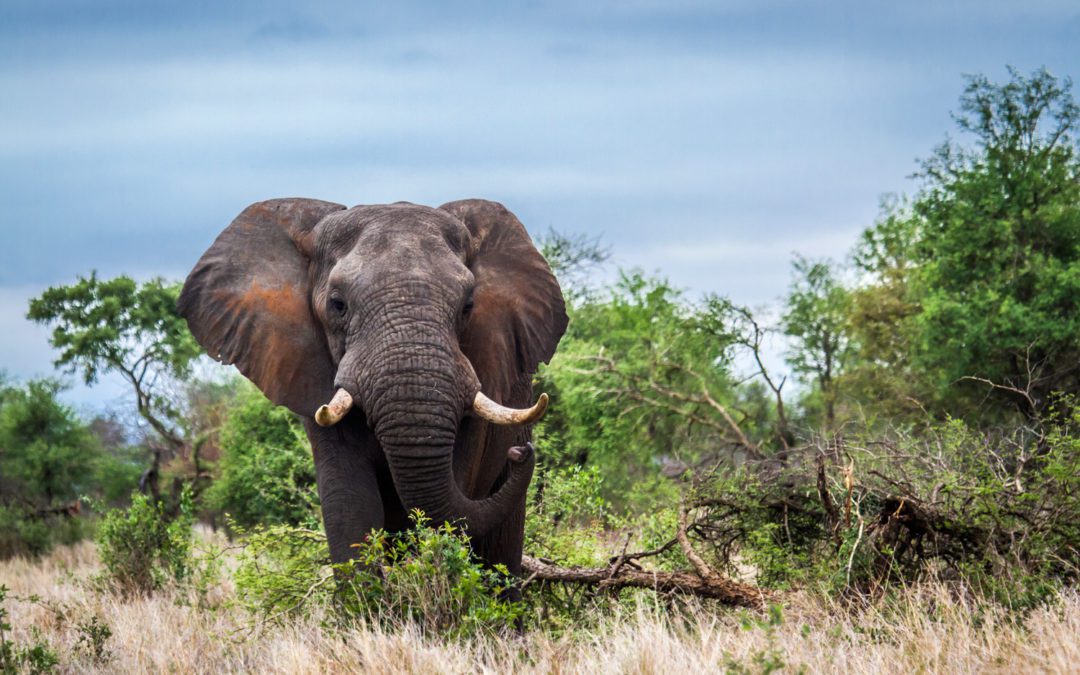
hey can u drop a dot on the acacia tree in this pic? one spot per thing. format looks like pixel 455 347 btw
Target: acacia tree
pixel 998 245
pixel 132 330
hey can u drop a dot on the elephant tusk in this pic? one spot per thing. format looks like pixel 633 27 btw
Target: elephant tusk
pixel 330 414
pixel 500 414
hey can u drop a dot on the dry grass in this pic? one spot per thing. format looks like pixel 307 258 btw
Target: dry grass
pixel 164 633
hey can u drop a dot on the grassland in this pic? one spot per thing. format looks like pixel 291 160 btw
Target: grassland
pixel 930 630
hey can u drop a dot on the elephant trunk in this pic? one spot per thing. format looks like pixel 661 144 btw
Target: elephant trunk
pixel 415 405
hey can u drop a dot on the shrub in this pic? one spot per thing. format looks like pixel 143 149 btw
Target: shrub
pixel 425 576
pixel 142 549
pixel 566 518
pixel 267 476
pixel 93 634
pixel 996 509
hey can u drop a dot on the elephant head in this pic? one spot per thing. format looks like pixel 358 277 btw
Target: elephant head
pixel 401 313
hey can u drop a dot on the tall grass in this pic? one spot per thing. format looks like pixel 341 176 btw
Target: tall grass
pixel 928 630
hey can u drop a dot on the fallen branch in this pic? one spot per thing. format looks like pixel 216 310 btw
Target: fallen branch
pixel 626 576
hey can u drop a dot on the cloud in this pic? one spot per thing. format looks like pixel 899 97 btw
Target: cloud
pixel 705 139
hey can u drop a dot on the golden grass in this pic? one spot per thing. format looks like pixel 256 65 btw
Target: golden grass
pixel 930 632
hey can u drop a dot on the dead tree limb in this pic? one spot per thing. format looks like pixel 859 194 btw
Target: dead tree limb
pixel 626 576
pixel 620 572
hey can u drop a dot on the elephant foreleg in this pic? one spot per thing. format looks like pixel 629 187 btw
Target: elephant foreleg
pixel 348 490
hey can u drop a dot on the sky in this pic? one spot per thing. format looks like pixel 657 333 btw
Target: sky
pixel 704 141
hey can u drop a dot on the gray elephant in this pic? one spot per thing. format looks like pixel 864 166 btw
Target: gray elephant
pixel 406 337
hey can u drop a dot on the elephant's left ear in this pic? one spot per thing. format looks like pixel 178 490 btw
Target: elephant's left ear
pixel 518 311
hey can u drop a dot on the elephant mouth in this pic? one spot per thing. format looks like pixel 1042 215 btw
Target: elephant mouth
pixel 339 406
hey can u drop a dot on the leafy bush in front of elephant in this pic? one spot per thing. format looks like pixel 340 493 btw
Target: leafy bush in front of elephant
pixel 426 576
pixel 266 474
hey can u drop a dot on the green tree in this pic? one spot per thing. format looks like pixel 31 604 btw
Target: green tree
pixel 644 388
pixel 879 375
pixel 815 318
pixel 46 453
pixel 49 458
pixel 267 476
pixel 132 330
pixel 998 247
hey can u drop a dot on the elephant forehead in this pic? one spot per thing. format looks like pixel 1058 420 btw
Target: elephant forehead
pixel 389 225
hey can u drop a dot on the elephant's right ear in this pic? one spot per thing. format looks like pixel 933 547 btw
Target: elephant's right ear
pixel 248 302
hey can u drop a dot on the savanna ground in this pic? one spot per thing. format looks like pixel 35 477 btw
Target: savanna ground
pixel 928 631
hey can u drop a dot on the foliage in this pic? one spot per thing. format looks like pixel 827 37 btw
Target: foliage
pixel 131 329
pixel 142 548
pixel 1001 243
pixel 93 635
pixel 996 508
pixel 567 517
pixel 751 515
pixel 38 657
pixel 880 378
pixel 267 476
pixel 119 325
pixel 645 387
pixel 425 576
pixel 978 280
pixel 815 319
pixel 49 459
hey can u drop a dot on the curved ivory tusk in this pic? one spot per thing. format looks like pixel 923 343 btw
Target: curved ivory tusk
pixel 330 414
pixel 500 414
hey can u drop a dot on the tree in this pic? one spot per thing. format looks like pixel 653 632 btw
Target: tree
pixel 49 458
pixel 130 329
pixel 815 318
pixel 47 454
pixel 644 382
pixel 267 476
pixel 998 246
pixel 879 374
pixel 573 258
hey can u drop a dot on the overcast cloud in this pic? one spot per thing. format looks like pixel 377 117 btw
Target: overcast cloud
pixel 705 140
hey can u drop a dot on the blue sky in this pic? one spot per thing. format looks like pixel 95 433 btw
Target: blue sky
pixel 707 141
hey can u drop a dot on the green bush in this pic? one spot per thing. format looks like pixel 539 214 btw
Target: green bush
pixel 143 549
pixel 425 576
pixel 567 515
pixel 267 476
pixel 24 533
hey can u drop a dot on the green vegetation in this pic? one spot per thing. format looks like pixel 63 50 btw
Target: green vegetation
pixel 265 475
pixel 930 430
pixel 132 330
pixel 426 576
pixel 142 548
pixel 37 657
pixel 49 460
pixel 977 278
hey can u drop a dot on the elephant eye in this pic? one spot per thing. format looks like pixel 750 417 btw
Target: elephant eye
pixel 467 308
pixel 338 306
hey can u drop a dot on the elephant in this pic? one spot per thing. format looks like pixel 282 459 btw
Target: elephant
pixel 406 338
